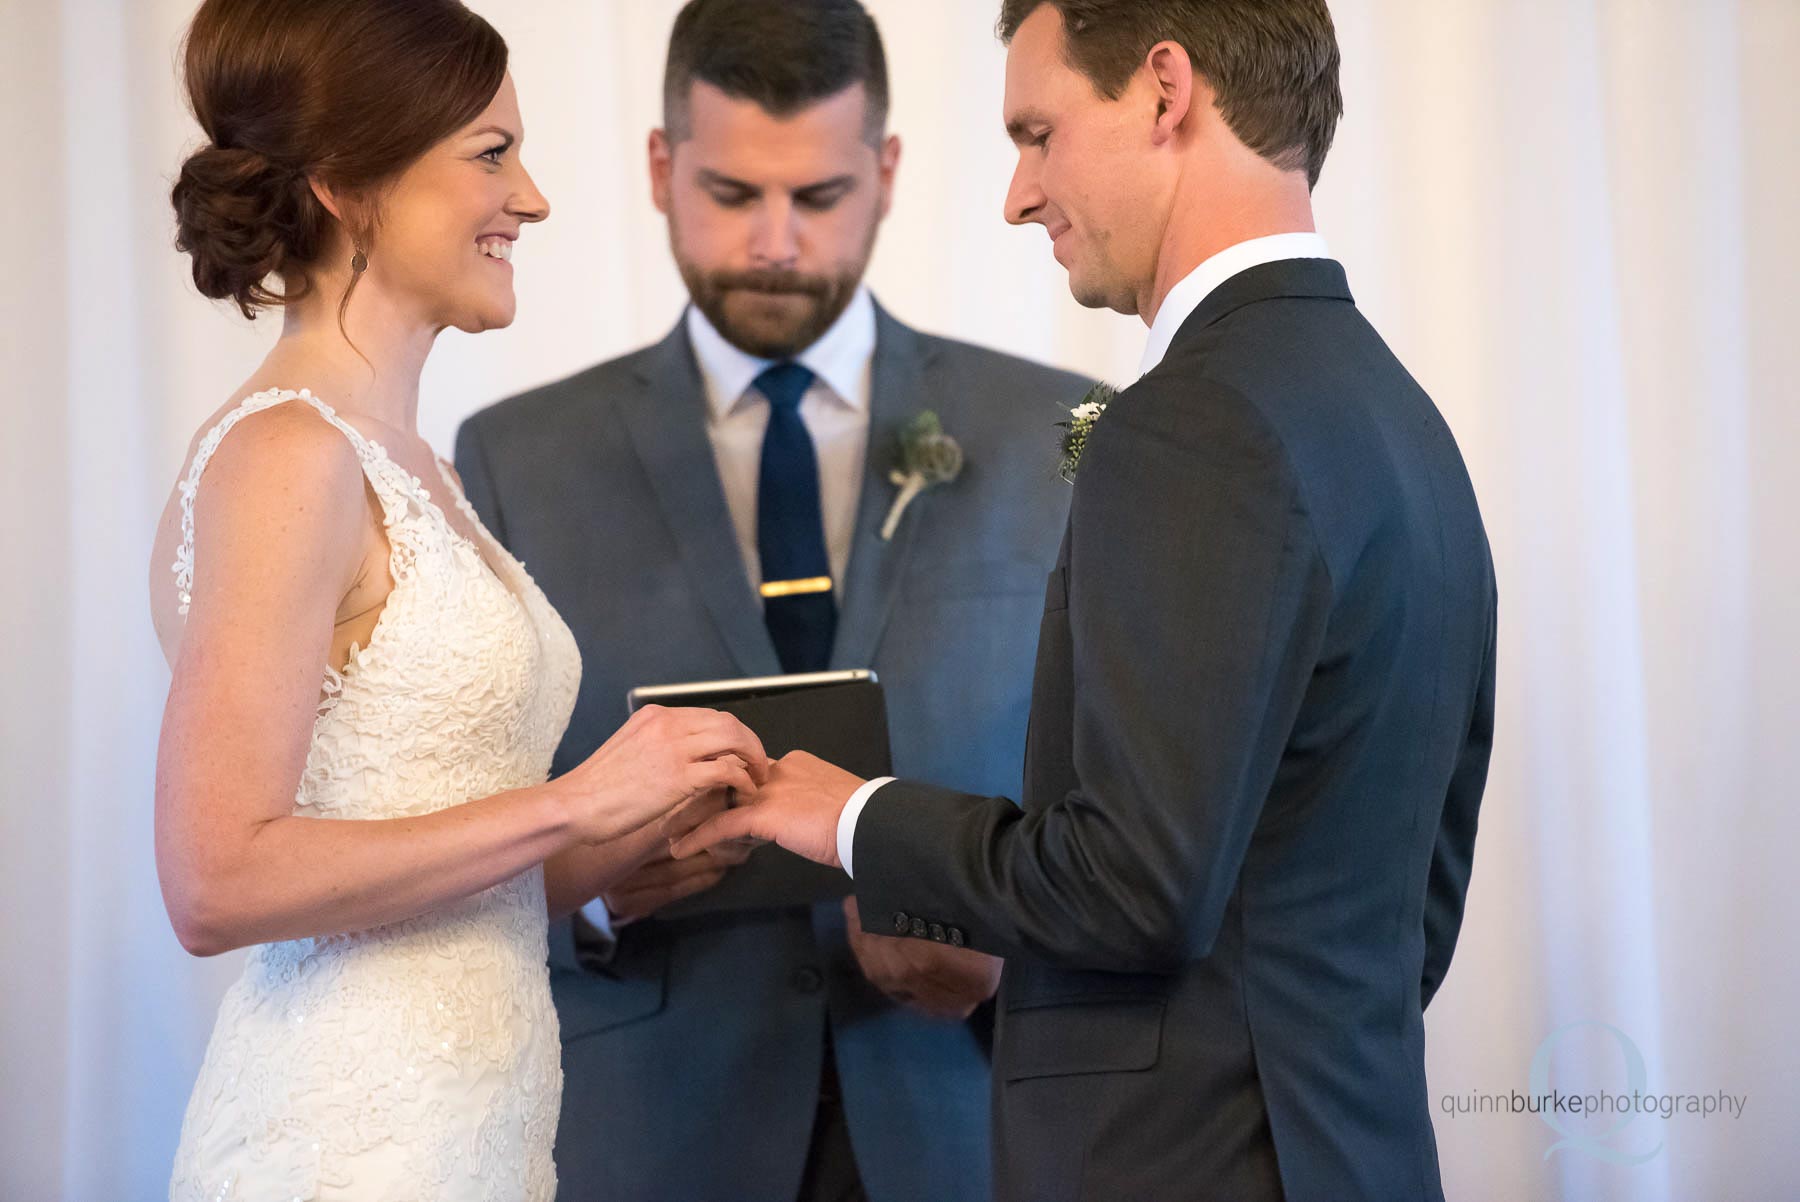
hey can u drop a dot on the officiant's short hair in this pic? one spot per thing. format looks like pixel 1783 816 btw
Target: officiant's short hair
pixel 1272 64
pixel 782 54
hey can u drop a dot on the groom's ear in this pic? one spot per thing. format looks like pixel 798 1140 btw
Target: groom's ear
pixel 662 170
pixel 1172 77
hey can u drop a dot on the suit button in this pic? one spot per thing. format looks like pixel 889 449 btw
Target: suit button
pixel 937 932
pixel 918 927
pixel 901 923
pixel 956 937
pixel 806 980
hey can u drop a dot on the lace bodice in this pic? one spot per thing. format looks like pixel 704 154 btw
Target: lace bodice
pixel 420 1059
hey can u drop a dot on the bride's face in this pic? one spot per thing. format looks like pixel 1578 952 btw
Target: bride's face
pixel 772 219
pixel 449 225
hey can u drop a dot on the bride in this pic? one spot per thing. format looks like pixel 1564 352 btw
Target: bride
pixel 367 688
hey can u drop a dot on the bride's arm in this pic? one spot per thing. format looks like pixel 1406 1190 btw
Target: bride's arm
pixel 279 523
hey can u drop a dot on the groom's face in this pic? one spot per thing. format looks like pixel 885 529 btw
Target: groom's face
pixel 1085 172
pixel 772 219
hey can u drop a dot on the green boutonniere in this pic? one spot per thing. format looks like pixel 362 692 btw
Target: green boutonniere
pixel 928 456
pixel 1082 420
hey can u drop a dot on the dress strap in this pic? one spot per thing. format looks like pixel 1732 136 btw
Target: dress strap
pixel 453 485
pixel 368 452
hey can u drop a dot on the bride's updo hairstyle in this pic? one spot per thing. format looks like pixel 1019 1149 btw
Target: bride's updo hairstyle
pixel 346 92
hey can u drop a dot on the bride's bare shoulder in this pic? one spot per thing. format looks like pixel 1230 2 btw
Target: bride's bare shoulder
pixel 283 449
pixel 281 481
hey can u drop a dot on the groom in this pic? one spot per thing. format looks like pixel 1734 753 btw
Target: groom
pixel 1265 681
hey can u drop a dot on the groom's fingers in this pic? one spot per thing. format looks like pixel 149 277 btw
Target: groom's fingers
pixel 734 853
pixel 732 824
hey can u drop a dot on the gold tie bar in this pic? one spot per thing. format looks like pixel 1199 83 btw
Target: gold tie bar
pixel 796 588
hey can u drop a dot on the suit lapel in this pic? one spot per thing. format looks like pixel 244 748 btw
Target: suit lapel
pixel 666 417
pixel 872 580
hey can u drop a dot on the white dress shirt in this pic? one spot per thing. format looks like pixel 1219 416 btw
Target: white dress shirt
pixel 1176 308
pixel 1199 283
pixel 835 411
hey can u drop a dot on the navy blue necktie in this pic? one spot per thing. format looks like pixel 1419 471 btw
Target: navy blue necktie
pixel 798 606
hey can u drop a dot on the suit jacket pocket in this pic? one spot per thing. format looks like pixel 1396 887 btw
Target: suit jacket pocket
pixel 1082 1037
pixel 632 985
pixel 1030 982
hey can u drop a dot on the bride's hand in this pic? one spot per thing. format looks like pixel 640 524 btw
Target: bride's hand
pixel 657 761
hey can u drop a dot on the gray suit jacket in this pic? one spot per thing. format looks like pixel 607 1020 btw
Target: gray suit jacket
pixel 692 1053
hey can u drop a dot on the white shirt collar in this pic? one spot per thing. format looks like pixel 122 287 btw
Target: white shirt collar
pixel 1199 283
pixel 839 358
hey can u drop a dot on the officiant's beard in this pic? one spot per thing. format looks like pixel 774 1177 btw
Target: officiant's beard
pixel 770 314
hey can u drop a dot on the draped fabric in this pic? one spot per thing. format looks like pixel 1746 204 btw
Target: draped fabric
pixel 1572 219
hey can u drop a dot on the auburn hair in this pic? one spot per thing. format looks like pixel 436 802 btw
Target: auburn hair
pixel 345 92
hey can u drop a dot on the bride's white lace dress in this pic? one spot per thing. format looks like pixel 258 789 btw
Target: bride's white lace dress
pixel 418 1060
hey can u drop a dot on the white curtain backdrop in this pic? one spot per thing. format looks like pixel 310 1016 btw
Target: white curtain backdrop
pixel 1573 219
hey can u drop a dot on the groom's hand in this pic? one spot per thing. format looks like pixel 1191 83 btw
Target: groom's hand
pixel 797 807
pixel 942 982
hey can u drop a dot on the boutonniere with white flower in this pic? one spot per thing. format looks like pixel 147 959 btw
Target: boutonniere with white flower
pixel 928 457
pixel 1082 420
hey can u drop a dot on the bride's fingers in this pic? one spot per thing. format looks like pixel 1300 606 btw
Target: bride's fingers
pixel 721 828
pixel 640 903
pixel 715 734
pixel 726 771
pixel 661 874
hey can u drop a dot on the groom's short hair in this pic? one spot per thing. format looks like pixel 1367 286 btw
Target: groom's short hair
pixel 782 54
pixel 1272 64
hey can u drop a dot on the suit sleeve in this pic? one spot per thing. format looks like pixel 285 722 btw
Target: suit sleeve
pixel 1453 856
pixel 478 481
pixel 1197 602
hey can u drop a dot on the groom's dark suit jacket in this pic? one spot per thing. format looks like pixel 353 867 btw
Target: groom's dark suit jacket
pixel 1258 740
pixel 691 1056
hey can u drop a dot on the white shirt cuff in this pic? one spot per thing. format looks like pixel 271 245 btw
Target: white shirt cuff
pixel 846 832
pixel 595 912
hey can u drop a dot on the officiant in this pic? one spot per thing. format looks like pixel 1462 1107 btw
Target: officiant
pixel 738 500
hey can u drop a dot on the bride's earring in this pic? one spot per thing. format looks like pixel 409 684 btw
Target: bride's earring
pixel 359 262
